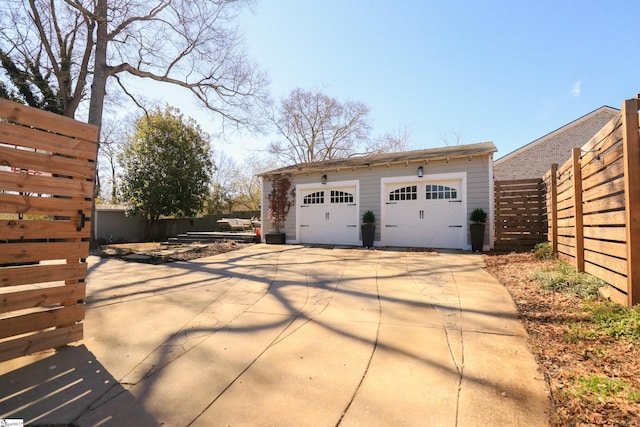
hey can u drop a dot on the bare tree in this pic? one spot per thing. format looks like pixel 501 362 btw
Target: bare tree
pixel 452 138
pixel 223 184
pixel 390 142
pixel 191 44
pixel 317 127
pixel 114 139
pixel 248 183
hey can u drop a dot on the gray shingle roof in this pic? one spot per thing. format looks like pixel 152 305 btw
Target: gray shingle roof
pixel 457 151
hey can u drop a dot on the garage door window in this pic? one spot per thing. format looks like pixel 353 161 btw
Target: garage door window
pixel 314 198
pixel 440 192
pixel 409 192
pixel 341 197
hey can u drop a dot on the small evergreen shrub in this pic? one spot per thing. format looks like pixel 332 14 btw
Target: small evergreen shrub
pixel 479 216
pixel 368 218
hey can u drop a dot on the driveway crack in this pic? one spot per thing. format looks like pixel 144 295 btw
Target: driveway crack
pixel 373 350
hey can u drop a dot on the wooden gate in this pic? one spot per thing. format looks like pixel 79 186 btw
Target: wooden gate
pixel 47 167
pixel 520 212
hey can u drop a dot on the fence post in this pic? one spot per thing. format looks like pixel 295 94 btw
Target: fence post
pixel 553 221
pixel 577 205
pixel 631 147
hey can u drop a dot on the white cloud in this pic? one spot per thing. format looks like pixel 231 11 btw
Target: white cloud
pixel 576 89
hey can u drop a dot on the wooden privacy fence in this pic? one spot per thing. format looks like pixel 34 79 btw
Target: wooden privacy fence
pixel 47 166
pixel 594 206
pixel 520 214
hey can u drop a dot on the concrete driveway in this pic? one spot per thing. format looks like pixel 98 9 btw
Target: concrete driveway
pixel 288 336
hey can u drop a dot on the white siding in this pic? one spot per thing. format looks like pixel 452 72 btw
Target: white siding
pixel 478 186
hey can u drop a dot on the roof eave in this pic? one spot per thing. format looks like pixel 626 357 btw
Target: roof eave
pixel 486 148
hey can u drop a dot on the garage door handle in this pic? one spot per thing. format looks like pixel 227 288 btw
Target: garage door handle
pixel 304 225
pixel 455 226
pixel 390 225
pixel 351 204
pixel 455 201
pixel 351 226
pixel 392 203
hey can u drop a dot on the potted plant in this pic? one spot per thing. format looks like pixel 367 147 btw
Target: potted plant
pixel 279 205
pixel 368 228
pixel 478 218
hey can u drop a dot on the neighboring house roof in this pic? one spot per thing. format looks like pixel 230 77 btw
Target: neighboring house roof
pixel 453 152
pixel 535 159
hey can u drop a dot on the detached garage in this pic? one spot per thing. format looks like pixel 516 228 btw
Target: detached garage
pixel 421 198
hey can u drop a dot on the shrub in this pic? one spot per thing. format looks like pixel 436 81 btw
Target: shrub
pixel 543 251
pixel 479 216
pixel 368 218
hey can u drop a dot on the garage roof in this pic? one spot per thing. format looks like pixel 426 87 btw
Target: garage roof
pixel 457 151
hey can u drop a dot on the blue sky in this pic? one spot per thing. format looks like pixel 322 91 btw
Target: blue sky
pixel 502 71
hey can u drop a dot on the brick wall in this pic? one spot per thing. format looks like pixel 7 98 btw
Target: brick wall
pixel 535 159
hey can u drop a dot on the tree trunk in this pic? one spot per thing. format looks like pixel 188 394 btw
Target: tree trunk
pixel 98 88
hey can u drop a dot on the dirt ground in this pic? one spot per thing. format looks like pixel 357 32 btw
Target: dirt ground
pixel 568 354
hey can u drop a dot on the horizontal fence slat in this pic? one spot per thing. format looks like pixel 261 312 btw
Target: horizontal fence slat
pixel 611 248
pixel 39 342
pixel 604 190
pixel 40 184
pixel 514 228
pixel 39 162
pixel 13 135
pixel 45 120
pixel 605 218
pixel 42 273
pixel 568 241
pixel 38 251
pixel 606 233
pixel 518 182
pixel 615 202
pixel 47 206
pixel 41 297
pixel 21 229
pixel 614 279
pixel 603 134
pixel 514 218
pixel 617 265
pixel 611 172
pixel 566 203
pixel 597 165
pixel 566 222
pixel 567 250
pixel 34 322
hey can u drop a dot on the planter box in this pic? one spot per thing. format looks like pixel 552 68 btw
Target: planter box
pixel 477 237
pixel 368 231
pixel 274 238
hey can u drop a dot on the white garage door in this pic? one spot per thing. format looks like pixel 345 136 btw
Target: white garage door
pixel 329 215
pixel 425 214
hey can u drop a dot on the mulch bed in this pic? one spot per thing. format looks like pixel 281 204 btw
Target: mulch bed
pixel 154 253
pixel 564 355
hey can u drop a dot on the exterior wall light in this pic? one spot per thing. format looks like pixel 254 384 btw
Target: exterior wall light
pixel 323 179
pixel 420 172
